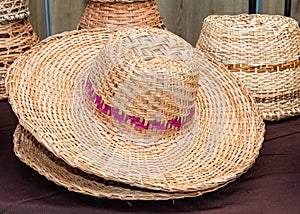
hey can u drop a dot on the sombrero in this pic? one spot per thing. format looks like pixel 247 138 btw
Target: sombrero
pixel 144 109
pixel 15 38
pixel 35 155
pixel 13 10
pixel 120 14
pixel 263 52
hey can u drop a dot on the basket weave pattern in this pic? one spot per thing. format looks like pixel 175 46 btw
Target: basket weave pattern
pixel 264 52
pixel 116 15
pixel 35 155
pixel 15 38
pixel 219 143
pixel 13 10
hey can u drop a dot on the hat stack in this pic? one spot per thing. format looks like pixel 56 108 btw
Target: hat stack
pixel 263 52
pixel 16 35
pixel 138 114
pixel 115 14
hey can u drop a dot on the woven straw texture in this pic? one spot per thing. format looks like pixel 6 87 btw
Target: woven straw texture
pixel 105 115
pixel 15 38
pixel 120 1
pixel 13 10
pixel 120 15
pixel 40 159
pixel 263 52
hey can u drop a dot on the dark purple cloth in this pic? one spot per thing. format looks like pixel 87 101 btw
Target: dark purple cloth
pixel 272 185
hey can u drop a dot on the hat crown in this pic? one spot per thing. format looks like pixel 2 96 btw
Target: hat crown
pixel 145 78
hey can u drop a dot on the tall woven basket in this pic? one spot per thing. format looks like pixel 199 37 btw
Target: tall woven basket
pixel 120 13
pixel 15 38
pixel 13 10
pixel 263 52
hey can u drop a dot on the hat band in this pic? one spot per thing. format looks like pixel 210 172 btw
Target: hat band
pixel 132 120
pixel 264 68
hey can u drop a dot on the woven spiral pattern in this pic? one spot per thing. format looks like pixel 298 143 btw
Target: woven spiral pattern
pixel 263 51
pixel 120 15
pixel 220 142
pixel 35 155
pixel 13 10
pixel 15 38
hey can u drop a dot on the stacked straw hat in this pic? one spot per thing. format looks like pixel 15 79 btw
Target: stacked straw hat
pixel 134 115
pixel 263 52
pixel 120 13
pixel 16 35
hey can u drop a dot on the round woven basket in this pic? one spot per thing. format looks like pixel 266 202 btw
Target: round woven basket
pixel 13 10
pixel 36 156
pixel 117 14
pixel 15 38
pixel 133 110
pixel 262 51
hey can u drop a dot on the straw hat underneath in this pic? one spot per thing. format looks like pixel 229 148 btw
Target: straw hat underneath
pixel 144 109
pixel 40 159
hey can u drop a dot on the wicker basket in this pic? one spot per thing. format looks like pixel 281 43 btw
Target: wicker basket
pixel 13 10
pixel 15 38
pixel 262 51
pixel 112 14
pixel 134 111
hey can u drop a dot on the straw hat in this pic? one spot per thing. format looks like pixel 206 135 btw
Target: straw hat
pixel 13 10
pixel 15 38
pixel 117 14
pixel 263 51
pixel 144 109
pixel 35 155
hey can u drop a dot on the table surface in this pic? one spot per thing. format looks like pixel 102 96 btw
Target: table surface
pixel 272 185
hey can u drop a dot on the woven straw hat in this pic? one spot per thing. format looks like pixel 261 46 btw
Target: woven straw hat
pixel 35 155
pixel 15 38
pixel 263 51
pixel 120 14
pixel 13 10
pixel 144 109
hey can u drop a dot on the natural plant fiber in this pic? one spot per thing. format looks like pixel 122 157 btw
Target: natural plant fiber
pixel 120 1
pixel 120 15
pixel 108 109
pixel 35 155
pixel 13 10
pixel 262 51
pixel 15 38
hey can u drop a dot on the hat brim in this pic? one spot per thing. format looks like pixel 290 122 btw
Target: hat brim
pixel 36 156
pixel 45 92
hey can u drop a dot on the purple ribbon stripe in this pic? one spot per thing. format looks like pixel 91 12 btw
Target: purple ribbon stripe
pixel 128 119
